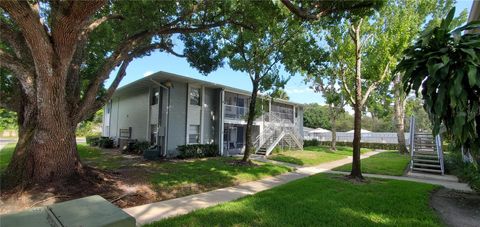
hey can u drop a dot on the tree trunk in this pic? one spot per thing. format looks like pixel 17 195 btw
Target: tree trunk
pixel 357 107
pixel 251 117
pixel 357 136
pixel 333 119
pixel 400 114
pixel 46 149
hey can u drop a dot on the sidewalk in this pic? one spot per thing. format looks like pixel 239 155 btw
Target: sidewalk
pixel 156 211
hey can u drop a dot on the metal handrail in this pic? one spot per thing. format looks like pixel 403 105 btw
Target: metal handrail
pixel 438 143
pixel 412 140
pixel 276 125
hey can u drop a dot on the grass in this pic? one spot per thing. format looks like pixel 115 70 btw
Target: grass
pixel 90 155
pixel 6 155
pixel 314 155
pixel 174 178
pixel 195 176
pixel 322 200
pixel 387 163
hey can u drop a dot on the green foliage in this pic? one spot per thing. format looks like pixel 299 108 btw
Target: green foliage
pixel 92 140
pixel 105 142
pixel 316 116
pixel 323 200
pixel 467 172
pixel 100 141
pixel 414 107
pixel 444 64
pixel 91 126
pixel 8 119
pixel 198 151
pixel 136 147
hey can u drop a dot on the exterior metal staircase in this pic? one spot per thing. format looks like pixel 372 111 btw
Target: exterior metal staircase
pixel 426 151
pixel 275 131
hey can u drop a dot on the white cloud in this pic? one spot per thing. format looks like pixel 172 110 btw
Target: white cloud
pixel 147 73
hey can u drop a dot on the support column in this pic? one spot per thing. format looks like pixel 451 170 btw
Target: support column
pixel 221 117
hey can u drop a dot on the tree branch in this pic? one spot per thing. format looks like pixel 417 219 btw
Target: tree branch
pixel 322 10
pixel 87 110
pixel 345 87
pixel 15 40
pixel 375 84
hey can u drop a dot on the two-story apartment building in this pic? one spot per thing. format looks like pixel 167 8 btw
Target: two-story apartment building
pixel 169 110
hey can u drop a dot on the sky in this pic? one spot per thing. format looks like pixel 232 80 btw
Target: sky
pixel 296 88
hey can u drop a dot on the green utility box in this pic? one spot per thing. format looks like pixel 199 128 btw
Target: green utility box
pixel 90 211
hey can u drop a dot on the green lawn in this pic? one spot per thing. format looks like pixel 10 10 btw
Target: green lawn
pixel 314 155
pixel 173 178
pixel 88 154
pixel 387 163
pixel 5 156
pixel 195 176
pixel 323 200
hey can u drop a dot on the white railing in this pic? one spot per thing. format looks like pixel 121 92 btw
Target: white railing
pixel 438 144
pixel 276 125
pixel 235 112
pixel 412 140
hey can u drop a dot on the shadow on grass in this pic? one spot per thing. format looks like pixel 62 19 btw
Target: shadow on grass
pixel 322 200
pixel 288 159
pixel 210 173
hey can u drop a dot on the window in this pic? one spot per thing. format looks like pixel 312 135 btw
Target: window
pixel 194 134
pixel 195 96
pixel 155 97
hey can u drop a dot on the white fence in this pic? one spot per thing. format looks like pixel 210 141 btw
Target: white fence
pixel 367 137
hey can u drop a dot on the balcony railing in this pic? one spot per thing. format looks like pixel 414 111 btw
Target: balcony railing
pixel 235 112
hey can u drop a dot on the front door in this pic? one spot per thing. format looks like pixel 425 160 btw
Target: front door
pixel 232 140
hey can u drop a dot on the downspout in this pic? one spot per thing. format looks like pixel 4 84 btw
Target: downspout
pixel 166 116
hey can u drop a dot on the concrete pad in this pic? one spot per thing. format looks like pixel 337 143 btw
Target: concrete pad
pixel 432 176
pixel 447 184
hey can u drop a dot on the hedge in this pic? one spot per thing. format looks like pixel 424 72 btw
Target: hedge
pixel 101 141
pixel 137 147
pixel 198 151
pixel 467 172
pixel 382 146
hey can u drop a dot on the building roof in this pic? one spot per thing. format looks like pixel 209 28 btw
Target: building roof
pixel 162 76
pixel 307 129
pixel 319 130
pixel 361 130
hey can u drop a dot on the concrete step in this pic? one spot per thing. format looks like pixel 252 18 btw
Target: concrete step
pixel 425 152
pixel 426 160
pixel 426 165
pixel 425 156
pixel 427 170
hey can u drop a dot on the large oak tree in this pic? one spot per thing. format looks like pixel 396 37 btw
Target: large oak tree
pixel 59 54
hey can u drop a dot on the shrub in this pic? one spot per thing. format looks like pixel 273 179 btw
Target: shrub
pixel 92 140
pixel 382 146
pixel 198 150
pixel 467 172
pixel 136 147
pixel 311 143
pixel 105 142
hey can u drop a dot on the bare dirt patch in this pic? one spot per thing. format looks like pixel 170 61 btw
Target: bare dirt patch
pixel 113 187
pixel 457 208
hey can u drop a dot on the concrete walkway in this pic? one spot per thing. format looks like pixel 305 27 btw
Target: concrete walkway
pixel 156 211
pixel 445 183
